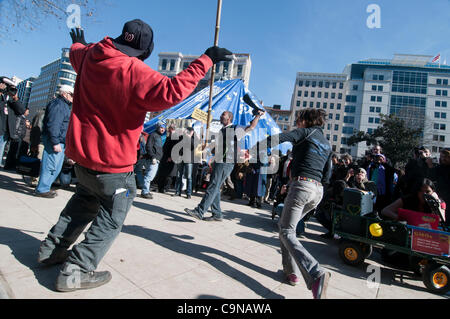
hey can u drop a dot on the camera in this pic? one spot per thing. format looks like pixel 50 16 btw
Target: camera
pixel 10 86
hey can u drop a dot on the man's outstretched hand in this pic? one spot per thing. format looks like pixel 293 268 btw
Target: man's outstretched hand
pixel 77 36
pixel 218 54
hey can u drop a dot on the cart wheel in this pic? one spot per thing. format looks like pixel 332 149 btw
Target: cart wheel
pixel 437 278
pixel 368 250
pixel 352 253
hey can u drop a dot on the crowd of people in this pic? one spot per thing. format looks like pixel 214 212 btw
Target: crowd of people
pixel 93 143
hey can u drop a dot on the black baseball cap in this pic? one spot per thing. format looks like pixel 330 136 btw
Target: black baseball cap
pixel 136 39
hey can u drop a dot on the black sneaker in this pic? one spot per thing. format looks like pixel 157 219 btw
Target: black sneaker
pixel 193 213
pixel 147 196
pixel 213 219
pixel 188 197
pixel 72 279
pixel 176 195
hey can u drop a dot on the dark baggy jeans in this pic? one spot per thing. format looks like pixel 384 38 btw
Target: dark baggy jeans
pixel 104 200
pixel 303 197
pixel 220 173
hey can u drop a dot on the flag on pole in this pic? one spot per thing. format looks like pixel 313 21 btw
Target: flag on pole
pixel 437 58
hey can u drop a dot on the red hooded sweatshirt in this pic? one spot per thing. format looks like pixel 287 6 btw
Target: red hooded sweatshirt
pixel 113 93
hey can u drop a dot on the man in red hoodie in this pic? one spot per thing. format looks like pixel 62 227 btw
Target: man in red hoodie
pixel 113 92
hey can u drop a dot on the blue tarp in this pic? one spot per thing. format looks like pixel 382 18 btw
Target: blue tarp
pixel 228 96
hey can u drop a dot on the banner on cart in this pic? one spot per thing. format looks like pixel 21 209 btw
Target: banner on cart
pixel 436 244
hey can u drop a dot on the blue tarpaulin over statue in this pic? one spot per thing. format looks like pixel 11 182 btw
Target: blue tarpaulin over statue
pixel 228 96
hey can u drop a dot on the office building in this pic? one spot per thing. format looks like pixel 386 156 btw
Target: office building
pixel 322 91
pixel 52 76
pixel 24 90
pixel 409 86
pixel 281 117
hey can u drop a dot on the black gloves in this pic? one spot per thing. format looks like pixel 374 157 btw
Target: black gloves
pixel 218 54
pixel 77 36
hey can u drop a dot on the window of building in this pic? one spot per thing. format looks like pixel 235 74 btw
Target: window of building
pixel 313 94
pixel 326 95
pixel 328 136
pixel 381 77
pixel 371 120
pixel 375 77
pixel 339 106
pixel 380 88
pixel 299 93
pixel 318 105
pixel 335 138
pixel 445 82
pixel 336 127
pixel 330 116
pixel 379 99
pixel 344 141
pixel 370 130
pixel 333 96
pixel 331 106
pixel 300 83
pixel 438 92
pixel 340 96
pixel 298 103
pixel 164 64
pixel 377 120
pixel 338 117
pixel 438 81
pixel 445 93
pixel 347 130
pixel 378 109
pixel 305 104
pixel 321 84
pixel 319 95
pixel 435 138
pixel 327 85
pixel 442 138
pixel 325 105
pixel 314 84
pixel 329 126
pixel 349 119
pixel 444 104
pixel 311 104
pixel 341 85
pixel 374 87
pixel 307 83
pixel 355 87
pixel 334 85
pixel 350 109
pixel 351 98
pixel 172 65
pixel 306 94
pixel 437 103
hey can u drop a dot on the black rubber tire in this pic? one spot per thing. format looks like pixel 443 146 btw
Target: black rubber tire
pixel 352 253
pixel 437 278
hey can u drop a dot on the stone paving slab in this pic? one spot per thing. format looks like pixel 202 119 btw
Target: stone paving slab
pixel 162 253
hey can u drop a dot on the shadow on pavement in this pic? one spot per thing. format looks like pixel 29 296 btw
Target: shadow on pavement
pixel 15 184
pixel 25 249
pixel 179 245
pixel 174 215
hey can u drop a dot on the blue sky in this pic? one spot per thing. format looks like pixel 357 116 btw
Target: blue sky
pixel 283 37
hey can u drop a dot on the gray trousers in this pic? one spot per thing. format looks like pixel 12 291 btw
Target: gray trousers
pixel 302 197
pixel 104 200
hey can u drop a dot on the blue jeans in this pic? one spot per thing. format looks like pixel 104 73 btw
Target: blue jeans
pixel 51 166
pixel 300 226
pixel 149 175
pixel 302 198
pixel 186 170
pixel 138 170
pixel 220 173
pixel 104 200
pixel 3 140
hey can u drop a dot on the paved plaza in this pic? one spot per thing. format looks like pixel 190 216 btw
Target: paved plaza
pixel 162 253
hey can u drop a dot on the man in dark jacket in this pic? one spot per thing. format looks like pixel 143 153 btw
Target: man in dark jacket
pixel 10 109
pixel 56 121
pixel 167 164
pixel 154 153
